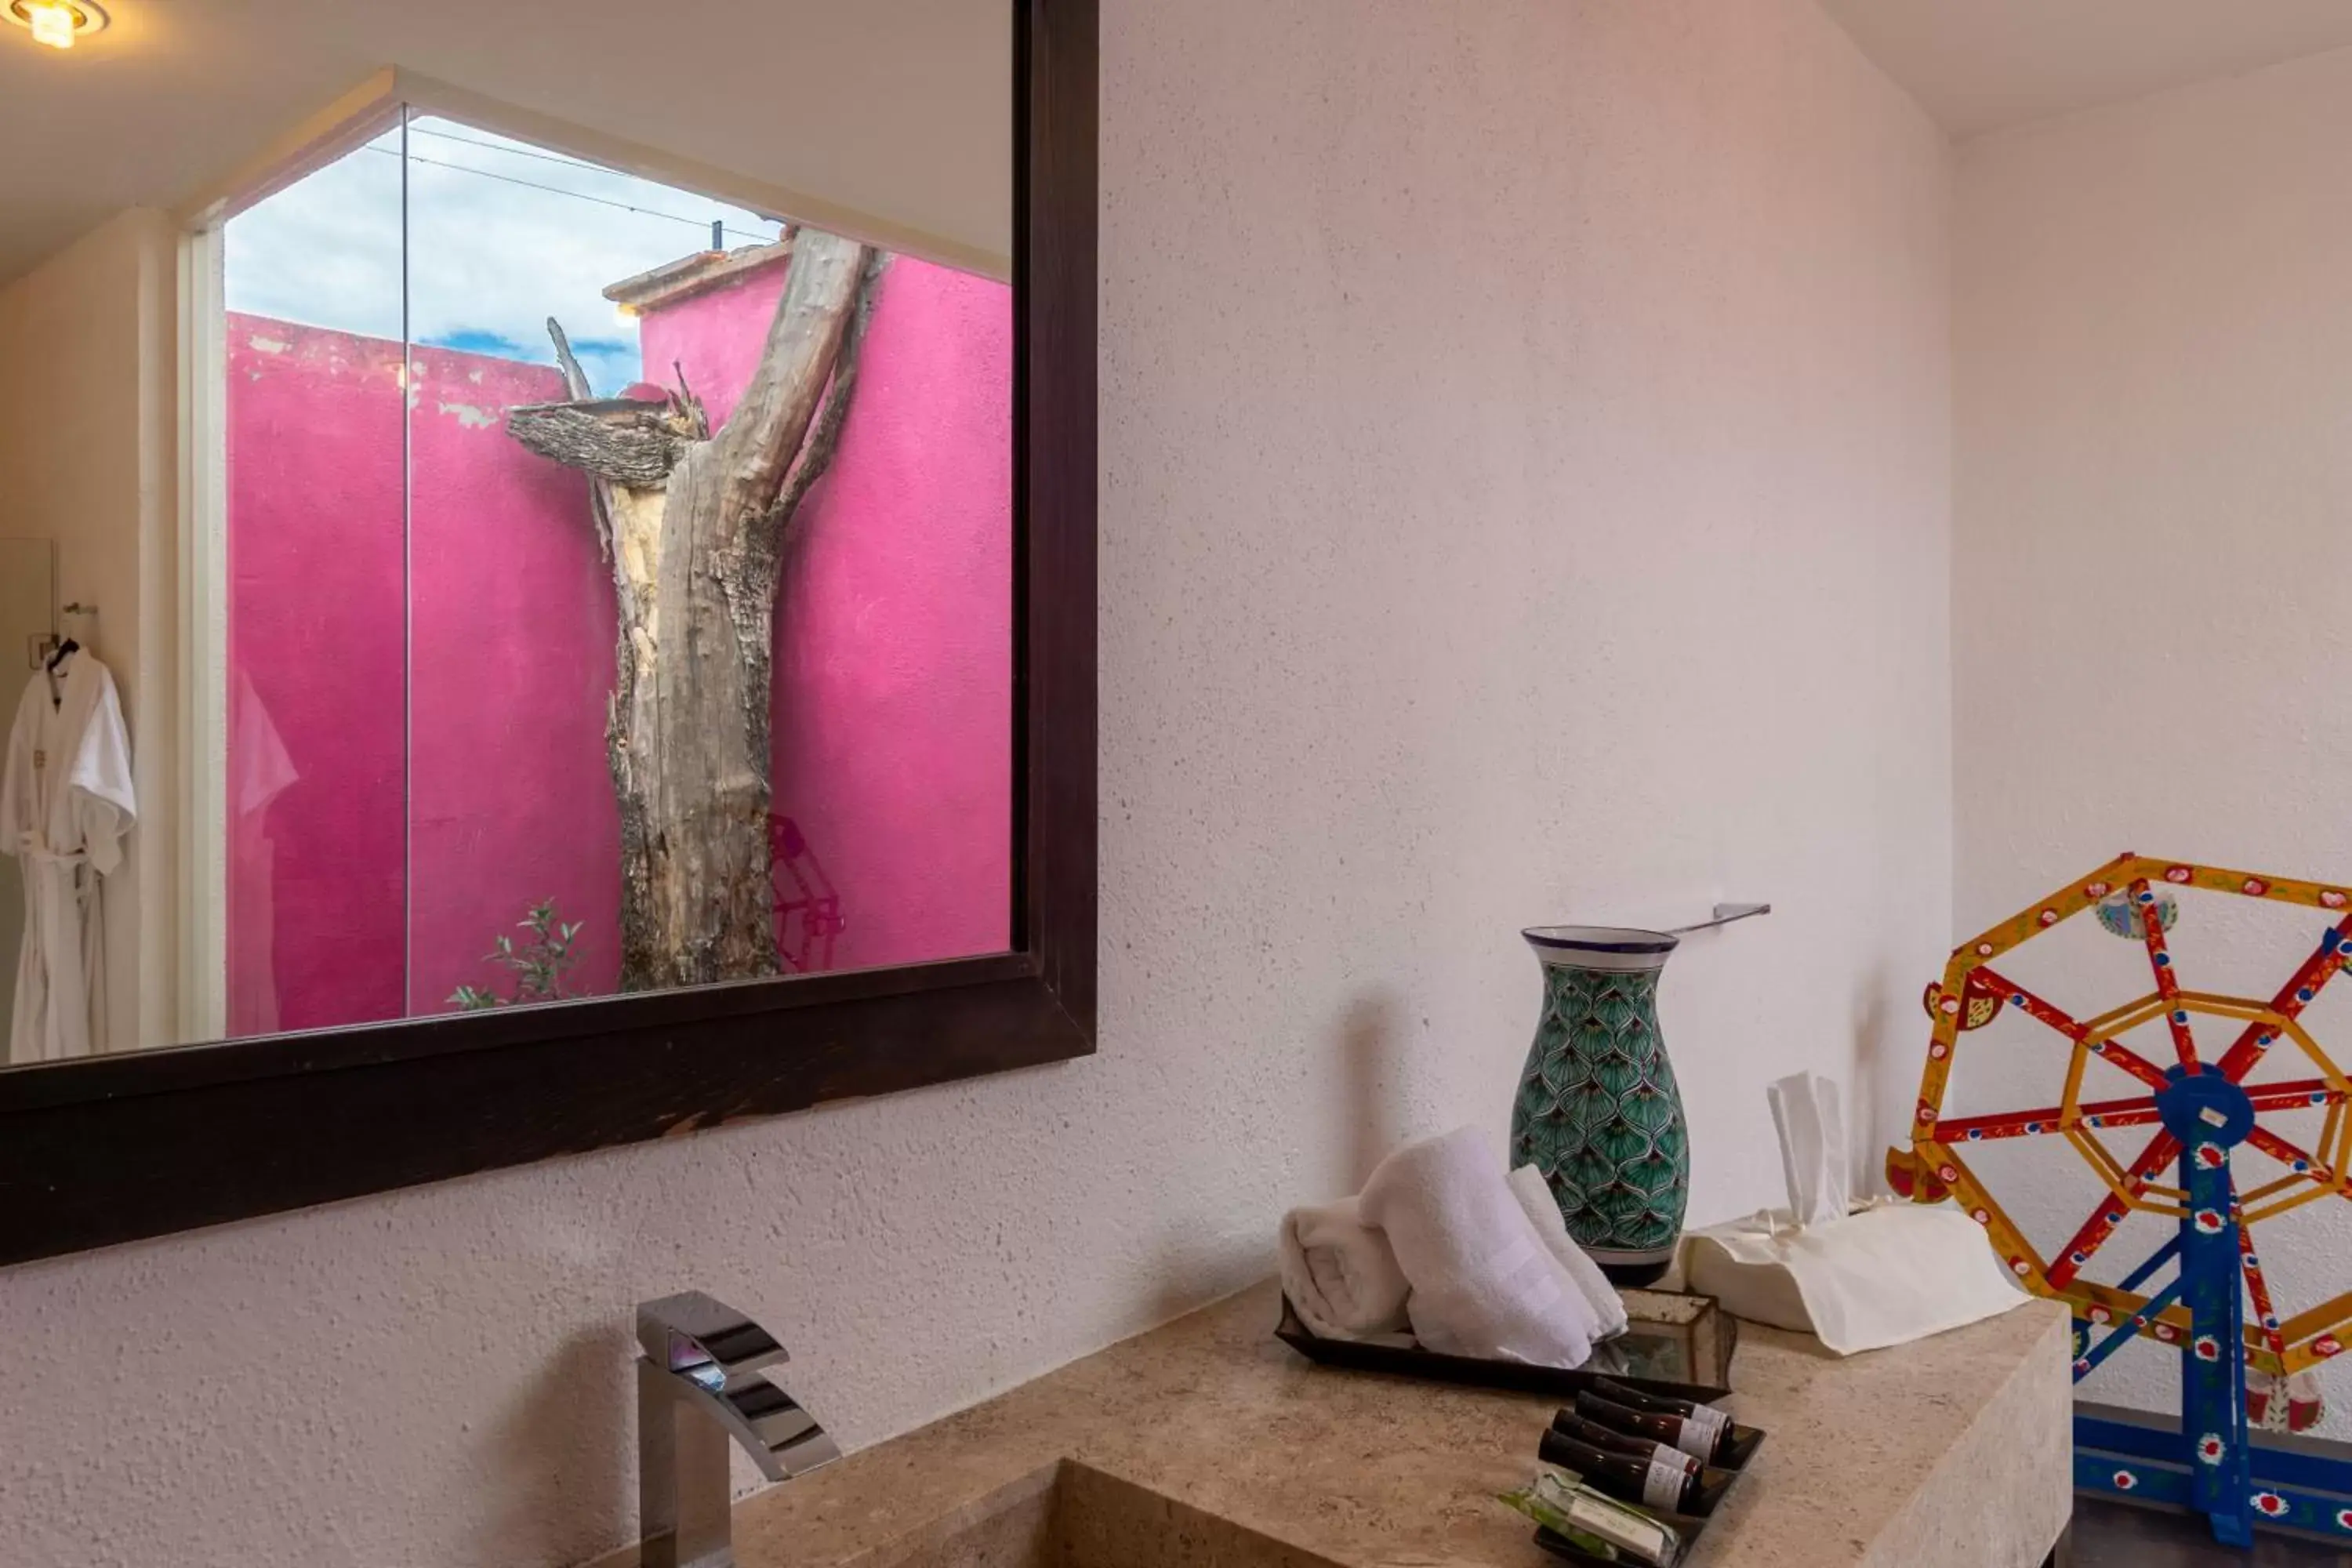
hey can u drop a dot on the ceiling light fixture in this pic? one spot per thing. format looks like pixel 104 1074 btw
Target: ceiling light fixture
pixel 56 23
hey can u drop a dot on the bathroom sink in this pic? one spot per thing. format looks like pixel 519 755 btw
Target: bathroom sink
pixel 1072 1516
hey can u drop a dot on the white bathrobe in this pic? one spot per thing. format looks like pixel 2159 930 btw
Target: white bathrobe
pixel 66 805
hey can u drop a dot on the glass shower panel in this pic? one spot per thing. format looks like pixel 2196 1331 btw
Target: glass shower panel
pixel 317 603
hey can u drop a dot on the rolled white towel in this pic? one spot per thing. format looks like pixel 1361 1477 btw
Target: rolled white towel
pixel 1534 1193
pixel 1339 1273
pixel 1484 1284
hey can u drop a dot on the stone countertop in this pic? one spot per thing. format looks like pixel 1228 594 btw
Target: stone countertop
pixel 1952 1452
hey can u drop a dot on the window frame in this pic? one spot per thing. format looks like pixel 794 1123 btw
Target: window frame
pixel 117 1148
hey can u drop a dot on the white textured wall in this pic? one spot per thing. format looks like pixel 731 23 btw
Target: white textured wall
pixel 1525 494
pixel 2153 313
pixel 85 373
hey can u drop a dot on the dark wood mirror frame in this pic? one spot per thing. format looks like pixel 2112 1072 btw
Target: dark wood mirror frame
pixel 116 1148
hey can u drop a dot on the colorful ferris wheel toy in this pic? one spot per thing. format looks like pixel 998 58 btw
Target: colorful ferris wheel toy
pixel 2203 1291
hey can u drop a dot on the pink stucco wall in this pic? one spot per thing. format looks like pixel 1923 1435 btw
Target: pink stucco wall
pixel 316 888
pixel 894 633
pixel 893 690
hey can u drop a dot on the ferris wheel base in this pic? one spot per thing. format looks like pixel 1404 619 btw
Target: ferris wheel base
pixel 2298 1485
pixel 2210 1460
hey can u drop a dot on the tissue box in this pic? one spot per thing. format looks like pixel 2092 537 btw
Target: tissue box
pixel 1674 1336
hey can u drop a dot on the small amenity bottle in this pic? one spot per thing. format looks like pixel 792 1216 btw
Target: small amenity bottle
pixel 1659 1484
pixel 1692 1437
pixel 1569 1424
pixel 1714 1423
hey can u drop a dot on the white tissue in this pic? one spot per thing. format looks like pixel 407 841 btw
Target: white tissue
pixel 1892 1273
pixel 1806 1114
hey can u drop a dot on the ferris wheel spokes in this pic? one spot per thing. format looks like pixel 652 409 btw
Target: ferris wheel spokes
pixel 2301 990
pixel 2167 984
pixel 2211 1299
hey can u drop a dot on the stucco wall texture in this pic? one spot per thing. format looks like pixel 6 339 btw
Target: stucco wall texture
pixel 2154 318
pixel 1524 474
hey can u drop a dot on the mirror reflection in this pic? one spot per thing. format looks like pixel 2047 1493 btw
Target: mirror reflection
pixel 597 586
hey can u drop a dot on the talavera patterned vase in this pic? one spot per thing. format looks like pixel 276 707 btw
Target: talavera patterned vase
pixel 1598 1112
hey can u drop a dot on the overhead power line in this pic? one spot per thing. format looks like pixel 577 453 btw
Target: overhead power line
pixel 703 224
pixel 515 150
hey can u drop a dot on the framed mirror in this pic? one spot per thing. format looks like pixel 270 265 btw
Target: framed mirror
pixel 633 671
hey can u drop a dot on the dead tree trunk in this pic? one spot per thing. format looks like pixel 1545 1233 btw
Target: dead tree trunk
pixel 693 523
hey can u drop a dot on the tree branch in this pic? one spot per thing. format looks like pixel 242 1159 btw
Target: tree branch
pixel 616 439
pixel 575 382
pixel 765 431
pixel 824 438
pixel 690 406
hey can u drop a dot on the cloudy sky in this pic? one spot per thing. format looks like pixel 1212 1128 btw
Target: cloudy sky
pixel 499 237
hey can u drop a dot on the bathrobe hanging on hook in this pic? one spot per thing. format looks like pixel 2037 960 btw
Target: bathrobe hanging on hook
pixel 66 805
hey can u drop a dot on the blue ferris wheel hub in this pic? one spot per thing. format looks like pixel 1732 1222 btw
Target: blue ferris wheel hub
pixel 2205 1108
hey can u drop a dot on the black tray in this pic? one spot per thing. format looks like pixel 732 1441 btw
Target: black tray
pixel 1690 1527
pixel 1411 1360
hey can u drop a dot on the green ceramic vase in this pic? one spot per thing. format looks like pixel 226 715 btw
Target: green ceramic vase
pixel 1598 1112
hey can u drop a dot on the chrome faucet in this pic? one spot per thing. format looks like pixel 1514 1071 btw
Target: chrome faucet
pixel 700 1382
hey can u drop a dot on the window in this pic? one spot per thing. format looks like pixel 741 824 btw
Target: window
pixel 461 685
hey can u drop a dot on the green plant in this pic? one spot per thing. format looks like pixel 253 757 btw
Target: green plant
pixel 539 962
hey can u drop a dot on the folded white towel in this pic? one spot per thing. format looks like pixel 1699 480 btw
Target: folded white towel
pixel 1339 1273
pixel 1534 1193
pixel 1484 1284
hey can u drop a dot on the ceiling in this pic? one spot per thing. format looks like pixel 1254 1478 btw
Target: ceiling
pixel 899 108
pixel 893 107
pixel 1981 65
